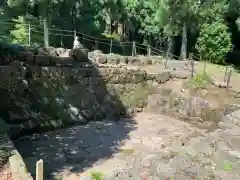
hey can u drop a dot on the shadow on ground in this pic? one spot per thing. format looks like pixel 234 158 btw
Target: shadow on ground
pixel 74 149
pixel 62 100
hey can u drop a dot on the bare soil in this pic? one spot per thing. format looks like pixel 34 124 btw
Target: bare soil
pixel 5 173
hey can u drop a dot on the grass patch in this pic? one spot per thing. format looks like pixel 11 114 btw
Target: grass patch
pixel 133 97
pixel 214 69
pixel 97 175
pixel 199 81
pixel 227 166
pixel 127 151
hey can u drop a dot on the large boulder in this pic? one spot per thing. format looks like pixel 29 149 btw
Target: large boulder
pixel 80 55
pixel 113 59
pixel 63 52
pixel 97 56
pixel 97 53
pixel 134 61
pixel 157 103
pixel 162 77
pixel 198 107
pixel 101 59
pixel 10 52
pixel 50 51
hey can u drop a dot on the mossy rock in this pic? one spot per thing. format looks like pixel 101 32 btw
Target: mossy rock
pixel 113 59
pixel 134 61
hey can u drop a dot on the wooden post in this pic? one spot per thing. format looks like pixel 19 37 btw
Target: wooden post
pixel 46 37
pixel 134 49
pixel 229 78
pixel 61 38
pixel 192 62
pixel 96 44
pixel 149 50
pixel 110 50
pixel 225 74
pixel 74 33
pixel 39 170
pixel 29 34
pixel 205 65
pixel 166 62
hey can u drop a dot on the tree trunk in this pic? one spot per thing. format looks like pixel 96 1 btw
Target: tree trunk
pixel 46 35
pixel 120 30
pixel 183 55
pixel 170 47
pixel 108 24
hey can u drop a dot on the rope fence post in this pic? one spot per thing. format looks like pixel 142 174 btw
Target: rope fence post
pixel 149 50
pixel 74 33
pixel 46 33
pixel 225 74
pixel 205 65
pixel 110 49
pixel 134 49
pixel 229 78
pixel 39 170
pixel 29 34
pixel 192 63
pixel 61 38
pixel 96 44
pixel 166 62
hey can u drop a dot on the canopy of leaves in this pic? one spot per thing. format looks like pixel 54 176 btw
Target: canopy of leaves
pixel 151 21
pixel 214 42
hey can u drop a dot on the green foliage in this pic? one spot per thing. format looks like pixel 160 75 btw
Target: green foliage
pixel 227 166
pixel 214 42
pixel 199 81
pixel 152 21
pixel 113 36
pixel 213 10
pixel 4 28
pixel 97 176
pixel 133 97
pixel 20 32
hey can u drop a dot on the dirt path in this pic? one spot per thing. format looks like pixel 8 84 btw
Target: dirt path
pixel 67 153
pixel 155 147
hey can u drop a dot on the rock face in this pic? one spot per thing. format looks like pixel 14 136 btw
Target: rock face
pixel 80 55
pixel 192 108
pixel 98 57
pixel 55 97
pixel 156 103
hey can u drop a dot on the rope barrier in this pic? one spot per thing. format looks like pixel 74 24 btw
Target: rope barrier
pixel 97 40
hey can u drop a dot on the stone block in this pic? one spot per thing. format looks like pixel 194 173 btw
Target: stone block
pixel 101 59
pixel 18 167
pixel 42 60
pixel 163 77
pixel 134 61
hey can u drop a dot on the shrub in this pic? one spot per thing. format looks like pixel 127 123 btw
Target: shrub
pixel 97 175
pixel 20 34
pixel 199 81
pixel 214 42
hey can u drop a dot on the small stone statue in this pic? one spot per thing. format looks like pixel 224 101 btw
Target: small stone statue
pixel 76 43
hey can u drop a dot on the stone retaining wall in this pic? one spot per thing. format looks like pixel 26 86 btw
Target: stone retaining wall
pixel 72 57
pixel 53 97
pixel 16 164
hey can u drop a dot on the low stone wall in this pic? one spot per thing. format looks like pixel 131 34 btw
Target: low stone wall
pixel 53 97
pixel 16 164
pixel 60 56
pixel 98 57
